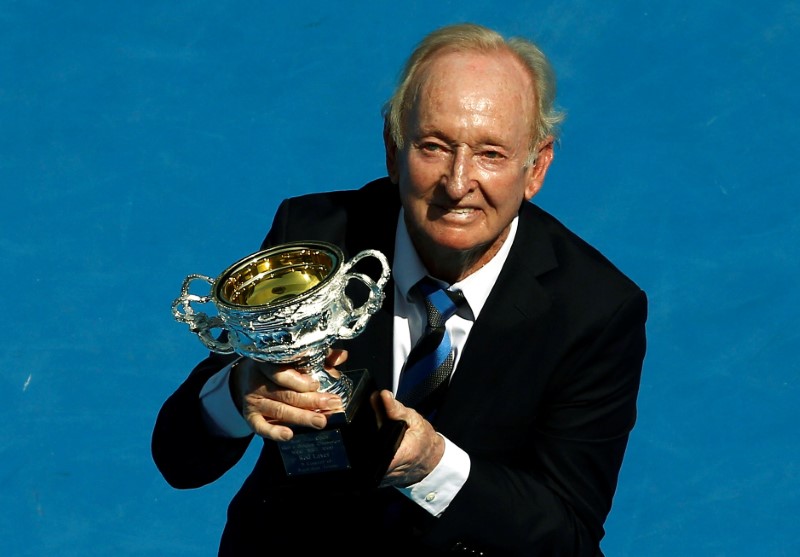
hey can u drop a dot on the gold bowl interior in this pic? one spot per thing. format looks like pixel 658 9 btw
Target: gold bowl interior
pixel 271 278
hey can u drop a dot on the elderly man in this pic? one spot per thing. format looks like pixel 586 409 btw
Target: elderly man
pixel 519 450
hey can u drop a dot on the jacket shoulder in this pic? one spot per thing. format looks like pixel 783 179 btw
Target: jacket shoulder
pixel 337 216
pixel 571 257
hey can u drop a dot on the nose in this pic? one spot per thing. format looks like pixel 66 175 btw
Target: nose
pixel 459 182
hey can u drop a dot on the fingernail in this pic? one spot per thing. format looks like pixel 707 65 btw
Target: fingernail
pixel 319 421
pixel 331 402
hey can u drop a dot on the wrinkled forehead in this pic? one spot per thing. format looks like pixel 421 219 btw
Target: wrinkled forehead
pixel 496 74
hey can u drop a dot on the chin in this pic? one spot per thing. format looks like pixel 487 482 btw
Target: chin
pixel 462 241
pixel 448 237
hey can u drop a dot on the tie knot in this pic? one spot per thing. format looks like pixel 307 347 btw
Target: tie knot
pixel 440 304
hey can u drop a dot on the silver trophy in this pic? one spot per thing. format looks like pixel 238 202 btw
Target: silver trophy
pixel 288 305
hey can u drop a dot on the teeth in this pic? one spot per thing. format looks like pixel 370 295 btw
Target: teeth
pixel 461 211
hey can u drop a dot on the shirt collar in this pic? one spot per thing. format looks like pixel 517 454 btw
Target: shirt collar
pixel 407 268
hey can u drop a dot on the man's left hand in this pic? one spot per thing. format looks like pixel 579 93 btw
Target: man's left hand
pixel 419 452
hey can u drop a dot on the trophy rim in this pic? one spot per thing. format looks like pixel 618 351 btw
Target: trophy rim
pixel 333 249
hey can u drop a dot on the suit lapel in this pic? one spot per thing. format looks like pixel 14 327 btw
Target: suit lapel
pixel 516 302
pixel 374 228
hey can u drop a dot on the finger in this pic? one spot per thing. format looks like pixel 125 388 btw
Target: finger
pixel 267 429
pixel 290 378
pixel 263 414
pixel 336 357
pixel 395 410
pixel 315 400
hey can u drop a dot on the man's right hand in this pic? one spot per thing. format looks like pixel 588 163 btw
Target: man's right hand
pixel 271 398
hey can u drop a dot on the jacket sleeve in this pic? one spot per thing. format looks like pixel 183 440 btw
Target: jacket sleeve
pixel 553 497
pixel 184 450
pixel 186 453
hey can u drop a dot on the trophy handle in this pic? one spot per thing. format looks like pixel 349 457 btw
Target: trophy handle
pixel 199 323
pixel 361 314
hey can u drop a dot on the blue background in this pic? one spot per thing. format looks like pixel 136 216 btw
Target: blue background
pixel 143 141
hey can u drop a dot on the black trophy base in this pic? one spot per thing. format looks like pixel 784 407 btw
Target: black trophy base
pixel 357 444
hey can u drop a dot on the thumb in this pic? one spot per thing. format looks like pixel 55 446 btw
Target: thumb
pixel 335 357
pixel 395 410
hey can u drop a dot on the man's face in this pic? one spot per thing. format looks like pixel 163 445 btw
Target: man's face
pixel 462 171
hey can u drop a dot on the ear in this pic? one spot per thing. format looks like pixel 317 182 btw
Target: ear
pixel 391 153
pixel 537 172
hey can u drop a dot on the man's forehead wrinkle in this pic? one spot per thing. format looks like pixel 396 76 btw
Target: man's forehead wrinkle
pixel 500 68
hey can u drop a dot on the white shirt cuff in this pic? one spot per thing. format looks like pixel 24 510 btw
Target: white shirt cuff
pixel 439 488
pixel 222 416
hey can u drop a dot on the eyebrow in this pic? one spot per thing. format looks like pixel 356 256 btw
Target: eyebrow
pixel 487 141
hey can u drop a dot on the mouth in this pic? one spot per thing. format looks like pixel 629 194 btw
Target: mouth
pixel 456 213
pixel 460 210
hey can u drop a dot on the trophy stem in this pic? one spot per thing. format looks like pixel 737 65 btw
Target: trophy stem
pixel 341 386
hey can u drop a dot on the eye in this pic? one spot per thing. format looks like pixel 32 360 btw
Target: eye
pixel 492 154
pixel 430 147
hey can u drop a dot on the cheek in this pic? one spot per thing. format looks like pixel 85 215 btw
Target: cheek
pixel 504 194
pixel 412 190
pixel 422 176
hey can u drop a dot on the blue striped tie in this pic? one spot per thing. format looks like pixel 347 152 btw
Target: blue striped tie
pixel 426 372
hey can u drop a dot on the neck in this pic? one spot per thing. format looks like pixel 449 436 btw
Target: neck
pixel 451 265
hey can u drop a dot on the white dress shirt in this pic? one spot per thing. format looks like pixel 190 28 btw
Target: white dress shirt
pixel 437 490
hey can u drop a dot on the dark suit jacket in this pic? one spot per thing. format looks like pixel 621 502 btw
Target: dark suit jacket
pixel 543 400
